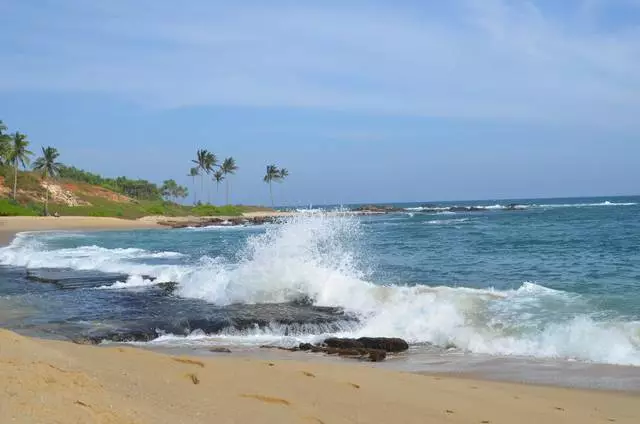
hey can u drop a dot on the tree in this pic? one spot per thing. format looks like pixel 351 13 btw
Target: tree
pixel 205 161
pixel 228 167
pixel 49 168
pixel 274 174
pixel 169 189
pixel 5 144
pixel 182 192
pixel 218 177
pixel 193 173
pixel 18 155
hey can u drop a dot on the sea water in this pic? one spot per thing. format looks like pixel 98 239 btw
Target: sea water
pixel 547 282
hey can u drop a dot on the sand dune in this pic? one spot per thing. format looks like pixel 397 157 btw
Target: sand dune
pixel 58 382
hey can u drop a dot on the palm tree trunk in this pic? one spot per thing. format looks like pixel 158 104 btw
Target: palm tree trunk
pixel 271 194
pixel 15 178
pixel 227 191
pixel 193 187
pixel 46 200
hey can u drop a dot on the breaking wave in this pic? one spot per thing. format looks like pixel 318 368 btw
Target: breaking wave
pixel 319 258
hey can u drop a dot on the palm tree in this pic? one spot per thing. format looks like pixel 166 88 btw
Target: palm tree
pixel 5 144
pixel 211 161
pixel 228 167
pixel 193 173
pixel 274 174
pixel 218 177
pixel 19 155
pixel 47 165
pixel 205 161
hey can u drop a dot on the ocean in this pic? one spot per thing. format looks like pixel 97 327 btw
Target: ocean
pixel 551 285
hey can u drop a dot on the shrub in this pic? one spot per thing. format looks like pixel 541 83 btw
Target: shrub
pixel 10 208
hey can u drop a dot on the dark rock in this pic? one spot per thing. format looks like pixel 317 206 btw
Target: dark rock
pixel 288 349
pixel 340 343
pixel 305 346
pixel 380 343
pixel 220 350
pixel 376 209
pixel 376 355
pixel 384 343
pixel 219 222
pixel 373 349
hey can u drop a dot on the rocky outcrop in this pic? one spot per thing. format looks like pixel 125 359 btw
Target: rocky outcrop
pixel 372 349
pixel 218 221
pixel 58 194
pixel 376 209
pixel 379 343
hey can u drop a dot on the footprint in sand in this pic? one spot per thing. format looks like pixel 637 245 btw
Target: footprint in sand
pixel 189 362
pixel 194 378
pixel 267 399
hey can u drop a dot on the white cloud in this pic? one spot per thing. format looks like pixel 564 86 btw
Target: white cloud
pixel 497 59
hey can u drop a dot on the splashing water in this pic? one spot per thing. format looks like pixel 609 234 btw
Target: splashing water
pixel 318 258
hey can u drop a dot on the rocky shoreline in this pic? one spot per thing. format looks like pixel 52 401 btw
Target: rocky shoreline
pixel 259 219
pixel 373 349
pixel 219 221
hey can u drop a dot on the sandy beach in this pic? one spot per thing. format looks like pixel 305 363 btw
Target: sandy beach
pixel 60 382
pixel 10 226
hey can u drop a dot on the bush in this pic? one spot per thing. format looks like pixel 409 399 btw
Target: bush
pixel 10 208
pixel 210 210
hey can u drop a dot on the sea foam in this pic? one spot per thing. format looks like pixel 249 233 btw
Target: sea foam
pixel 319 258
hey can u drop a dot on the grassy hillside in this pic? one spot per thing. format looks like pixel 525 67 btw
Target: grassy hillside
pixel 72 198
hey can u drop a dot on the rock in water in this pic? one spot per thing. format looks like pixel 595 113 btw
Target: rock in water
pixel 376 355
pixel 379 343
pixel 340 343
pixel 384 343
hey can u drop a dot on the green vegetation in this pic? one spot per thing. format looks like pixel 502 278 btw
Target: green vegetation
pixel 67 190
pixel 274 174
pixel 136 189
pixel 228 167
pixel 18 155
pixel 49 168
pixel 170 189
pixel 12 208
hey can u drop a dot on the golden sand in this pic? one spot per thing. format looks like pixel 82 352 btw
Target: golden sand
pixel 47 381
pixel 9 226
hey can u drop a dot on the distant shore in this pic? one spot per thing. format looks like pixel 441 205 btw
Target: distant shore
pixel 59 382
pixel 10 226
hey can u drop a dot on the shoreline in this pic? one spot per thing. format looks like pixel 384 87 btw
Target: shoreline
pixel 10 226
pixel 118 384
pixel 125 384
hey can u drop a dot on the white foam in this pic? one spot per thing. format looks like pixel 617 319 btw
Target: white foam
pixel 133 282
pixel 447 221
pixel 316 257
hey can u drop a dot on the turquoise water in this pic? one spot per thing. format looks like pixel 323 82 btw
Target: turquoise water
pixel 553 279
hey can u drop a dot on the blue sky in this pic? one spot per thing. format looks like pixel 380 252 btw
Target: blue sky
pixel 362 101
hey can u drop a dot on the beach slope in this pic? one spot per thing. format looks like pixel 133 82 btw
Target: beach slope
pixel 58 382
